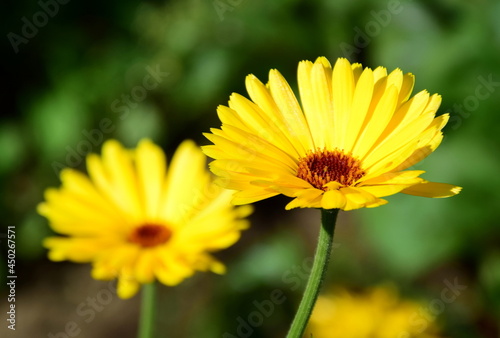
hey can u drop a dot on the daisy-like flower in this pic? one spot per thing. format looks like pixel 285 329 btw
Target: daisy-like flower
pixel 377 313
pixel 345 146
pixel 137 221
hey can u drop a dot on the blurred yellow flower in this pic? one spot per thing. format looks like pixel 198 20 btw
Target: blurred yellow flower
pixel 376 313
pixel 136 221
pixel 346 146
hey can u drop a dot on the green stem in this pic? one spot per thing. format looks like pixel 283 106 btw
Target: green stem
pixel 148 311
pixel 320 265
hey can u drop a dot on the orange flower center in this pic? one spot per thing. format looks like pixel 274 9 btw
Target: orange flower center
pixel 149 235
pixel 324 166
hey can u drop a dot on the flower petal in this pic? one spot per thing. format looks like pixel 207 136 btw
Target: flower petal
pixel 185 179
pixel 127 287
pixel 118 164
pixel 257 123
pixel 377 122
pixel 356 198
pixel 151 170
pixel 342 94
pixel 333 199
pixel 402 177
pixel 292 114
pixel 360 104
pixel 252 195
pixel 315 94
pixel 310 198
pixel 433 189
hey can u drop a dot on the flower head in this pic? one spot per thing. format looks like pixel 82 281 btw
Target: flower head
pixel 346 146
pixel 377 313
pixel 136 221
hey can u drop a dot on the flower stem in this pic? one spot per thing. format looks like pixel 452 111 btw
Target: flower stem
pixel 320 265
pixel 148 311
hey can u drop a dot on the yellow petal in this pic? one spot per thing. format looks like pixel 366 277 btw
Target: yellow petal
pixel 333 199
pixel 78 185
pixel 144 266
pixel 262 97
pixel 106 183
pixel 391 161
pixel 119 165
pixel 151 170
pixel 288 186
pixel 251 196
pixel 395 78
pixel 357 69
pixel 258 124
pixel 309 198
pixel 360 104
pixel 398 140
pixel 229 179
pixel 406 87
pixel 257 151
pixel 308 100
pixel 377 122
pixel 80 250
pixel 69 214
pixel 314 87
pixel 421 152
pixel 172 270
pixel 385 190
pixel 217 267
pixel 230 117
pixel 433 189
pixel 434 103
pixel 376 203
pixel 402 177
pixel 202 233
pixel 293 117
pixel 127 287
pixel 407 113
pixel 103 272
pixel 342 94
pixel 250 145
pixel 429 140
pixel 356 198
pixel 185 178
pixel 379 74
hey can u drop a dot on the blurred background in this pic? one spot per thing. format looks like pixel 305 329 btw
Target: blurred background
pixel 74 76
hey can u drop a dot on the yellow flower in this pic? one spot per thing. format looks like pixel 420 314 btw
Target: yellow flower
pixel 378 313
pixel 137 222
pixel 346 146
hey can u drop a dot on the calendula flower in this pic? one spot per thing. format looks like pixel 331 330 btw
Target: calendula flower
pixel 137 221
pixel 345 146
pixel 375 313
